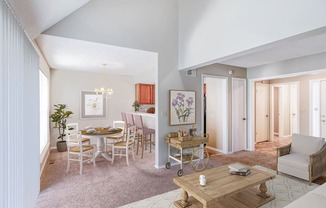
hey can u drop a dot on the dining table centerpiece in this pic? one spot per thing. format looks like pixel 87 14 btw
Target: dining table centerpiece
pixel 59 118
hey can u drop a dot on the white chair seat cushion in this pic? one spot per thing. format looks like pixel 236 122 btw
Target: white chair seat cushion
pixel 85 148
pixel 294 160
pixel 294 164
pixel 308 200
pixel 306 145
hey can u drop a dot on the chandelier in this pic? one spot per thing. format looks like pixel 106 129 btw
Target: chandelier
pixel 105 92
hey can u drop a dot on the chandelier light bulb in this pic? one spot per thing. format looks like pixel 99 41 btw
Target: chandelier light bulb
pixel 105 92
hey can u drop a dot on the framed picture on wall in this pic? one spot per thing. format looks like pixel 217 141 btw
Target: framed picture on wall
pixel 182 107
pixel 92 105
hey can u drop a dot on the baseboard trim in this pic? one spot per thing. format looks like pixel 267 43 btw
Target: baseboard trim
pixel 214 149
pixel 44 161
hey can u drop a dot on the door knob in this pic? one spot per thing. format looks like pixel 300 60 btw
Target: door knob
pixel 323 120
pixel 244 119
pixel 266 116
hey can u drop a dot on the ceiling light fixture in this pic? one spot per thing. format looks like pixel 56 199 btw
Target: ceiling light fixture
pixel 105 92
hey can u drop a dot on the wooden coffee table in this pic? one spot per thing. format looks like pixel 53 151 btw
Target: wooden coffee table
pixel 223 189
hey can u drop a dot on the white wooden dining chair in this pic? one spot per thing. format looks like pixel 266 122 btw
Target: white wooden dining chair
pixel 123 148
pixel 77 151
pixel 73 127
pixel 110 140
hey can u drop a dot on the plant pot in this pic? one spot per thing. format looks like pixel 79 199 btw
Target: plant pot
pixel 61 146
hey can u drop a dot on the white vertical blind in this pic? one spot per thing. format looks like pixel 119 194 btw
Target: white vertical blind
pixel 19 112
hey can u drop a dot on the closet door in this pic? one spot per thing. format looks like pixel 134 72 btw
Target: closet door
pixel 262 112
pixel 239 114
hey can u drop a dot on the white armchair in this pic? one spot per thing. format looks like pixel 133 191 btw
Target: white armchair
pixel 304 158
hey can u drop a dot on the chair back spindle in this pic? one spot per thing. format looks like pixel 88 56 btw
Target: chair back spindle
pixel 124 117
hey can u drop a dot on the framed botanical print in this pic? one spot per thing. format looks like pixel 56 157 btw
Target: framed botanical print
pixel 182 107
pixel 92 105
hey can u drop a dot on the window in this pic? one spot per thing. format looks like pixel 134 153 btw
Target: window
pixel 44 110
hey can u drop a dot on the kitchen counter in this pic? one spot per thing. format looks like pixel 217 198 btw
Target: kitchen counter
pixel 144 114
pixel 148 119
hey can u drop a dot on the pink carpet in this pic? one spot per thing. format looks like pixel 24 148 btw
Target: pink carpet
pixel 113 185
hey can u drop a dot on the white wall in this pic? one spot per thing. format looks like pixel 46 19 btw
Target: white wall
pixel 211 30
pixel 66 87
pixel 148 77
pixel 291 66
pixel 143 24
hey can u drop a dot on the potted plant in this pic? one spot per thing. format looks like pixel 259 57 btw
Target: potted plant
pixel 59 117
pixel 136 105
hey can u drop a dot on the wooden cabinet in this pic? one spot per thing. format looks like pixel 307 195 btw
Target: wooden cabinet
pixel 145 93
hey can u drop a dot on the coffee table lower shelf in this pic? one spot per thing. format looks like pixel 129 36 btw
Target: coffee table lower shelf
pixel 245 199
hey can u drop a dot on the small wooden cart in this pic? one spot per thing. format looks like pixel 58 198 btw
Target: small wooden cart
pixel 198 157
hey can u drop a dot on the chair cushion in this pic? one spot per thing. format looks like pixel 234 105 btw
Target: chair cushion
pixel 85 140
pixel 306 145
pixel 297 161
pixel 115 137
pixel 85 148
pixel 122 144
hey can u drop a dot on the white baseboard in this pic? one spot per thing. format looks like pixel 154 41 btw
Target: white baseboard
pixel 44 160
pixel 214 149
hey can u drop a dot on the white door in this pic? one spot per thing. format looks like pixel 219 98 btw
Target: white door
pixel 239 114
pixel 216 113
pixel 262 112
pixel 294 108
pixel 276 103
pixel 315 114
pixel 285 111
pixel 323 108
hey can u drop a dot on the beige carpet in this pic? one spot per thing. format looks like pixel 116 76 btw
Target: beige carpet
pixel 285 189
pixel 114 185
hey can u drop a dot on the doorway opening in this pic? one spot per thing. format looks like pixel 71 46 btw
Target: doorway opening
pixel 302 120
pixel 276 110
pixel 215 112
pixel 284 110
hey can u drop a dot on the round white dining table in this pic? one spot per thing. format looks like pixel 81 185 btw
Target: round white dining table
pixel 100 135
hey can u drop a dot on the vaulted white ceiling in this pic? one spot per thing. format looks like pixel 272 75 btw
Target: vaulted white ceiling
pixel 36 16
pixel 71 54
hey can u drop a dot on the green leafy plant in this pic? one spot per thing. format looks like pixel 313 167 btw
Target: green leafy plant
pixel 59 117
pixel 136 105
